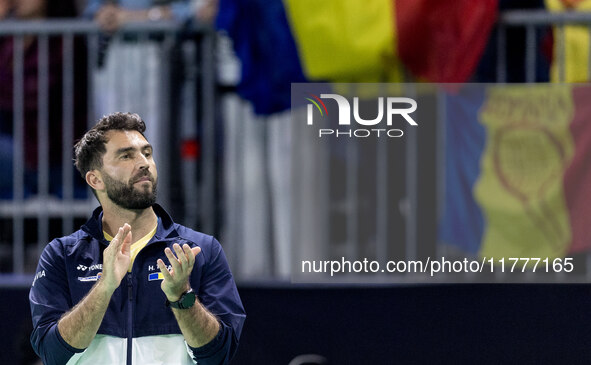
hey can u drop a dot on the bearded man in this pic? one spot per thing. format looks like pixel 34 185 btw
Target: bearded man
pixel 131 286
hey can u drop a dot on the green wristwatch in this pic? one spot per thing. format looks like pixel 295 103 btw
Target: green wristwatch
pixel 186 300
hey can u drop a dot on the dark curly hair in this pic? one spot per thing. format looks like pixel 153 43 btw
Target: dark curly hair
pixel 89 150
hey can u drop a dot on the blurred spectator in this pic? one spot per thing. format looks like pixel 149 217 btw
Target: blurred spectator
pixel 258 137
pixel 36 10
pixel 130 75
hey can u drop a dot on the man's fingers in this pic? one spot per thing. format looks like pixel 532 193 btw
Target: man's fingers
pixel 118 236
pixel 122 234
pixel 163 269
pixel 126 232
pixel 190 255
pixel 173 261
pixel 126 246
pixel 196 251
pixel 121 242
pixel 114 246
pixel 180 254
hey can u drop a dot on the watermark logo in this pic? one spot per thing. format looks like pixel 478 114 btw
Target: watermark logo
pixel 388 110
pixel 317 107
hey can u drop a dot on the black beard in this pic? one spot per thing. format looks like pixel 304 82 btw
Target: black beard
pixel 127 196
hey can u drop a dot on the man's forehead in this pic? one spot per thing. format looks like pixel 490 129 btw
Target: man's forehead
pixel 117 139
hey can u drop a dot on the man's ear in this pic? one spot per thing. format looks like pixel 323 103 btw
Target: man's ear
pixel 95 180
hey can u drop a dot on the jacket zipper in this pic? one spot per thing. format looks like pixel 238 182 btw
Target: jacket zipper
pixel 129 319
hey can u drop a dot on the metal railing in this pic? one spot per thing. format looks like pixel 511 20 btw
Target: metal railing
pixel 532 20
pixel 30 209
pixel 179 124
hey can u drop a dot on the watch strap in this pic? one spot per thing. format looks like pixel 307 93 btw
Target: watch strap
pixel 186 300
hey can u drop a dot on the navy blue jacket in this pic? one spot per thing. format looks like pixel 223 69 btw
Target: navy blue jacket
pixel 69 267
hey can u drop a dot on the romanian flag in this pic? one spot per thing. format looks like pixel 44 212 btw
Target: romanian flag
pixel 345 40
pixel 443 40
pixel 265 46
pixel 573 47
pixel 369 41
pixel 280 42
pixel 517 170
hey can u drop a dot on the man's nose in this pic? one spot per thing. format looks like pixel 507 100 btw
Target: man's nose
pixel 142 162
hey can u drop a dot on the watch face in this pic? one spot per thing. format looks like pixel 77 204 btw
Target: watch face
pixel 187 300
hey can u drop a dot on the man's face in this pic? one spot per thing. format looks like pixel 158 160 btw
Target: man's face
pixel 129 172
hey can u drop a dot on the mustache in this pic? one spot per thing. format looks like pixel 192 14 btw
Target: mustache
pixel 141 175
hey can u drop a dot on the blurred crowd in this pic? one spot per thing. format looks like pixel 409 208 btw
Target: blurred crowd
pixel 109 15
pixel 275 43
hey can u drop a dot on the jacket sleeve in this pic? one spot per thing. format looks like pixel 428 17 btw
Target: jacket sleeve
pixel 218 293
pixel 49 299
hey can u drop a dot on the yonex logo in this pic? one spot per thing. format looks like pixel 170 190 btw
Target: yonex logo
pixel 92 267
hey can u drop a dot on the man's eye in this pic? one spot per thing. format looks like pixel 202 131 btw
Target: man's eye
pixel 147 154
pixel 124 157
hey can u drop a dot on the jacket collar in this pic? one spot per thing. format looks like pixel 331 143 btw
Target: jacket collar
pixel 94 225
